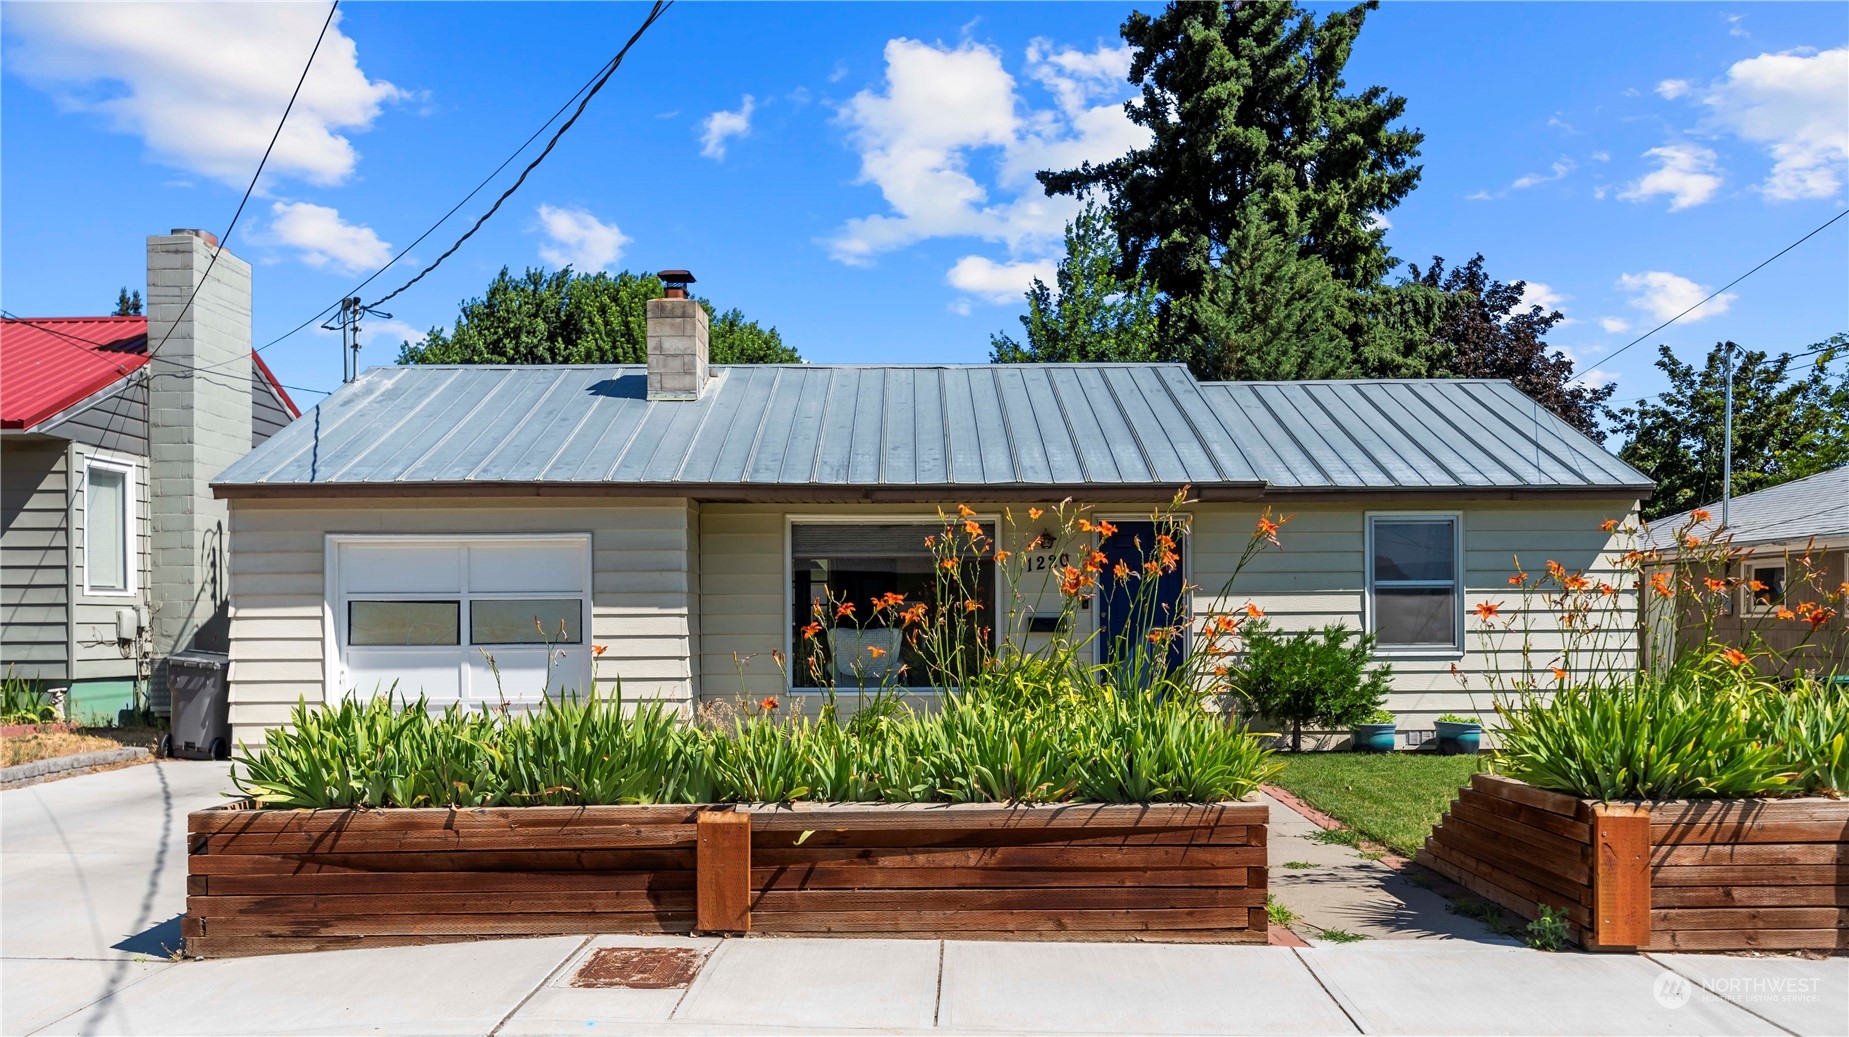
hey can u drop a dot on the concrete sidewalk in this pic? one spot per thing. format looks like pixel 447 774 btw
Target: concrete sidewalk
pixel 93 885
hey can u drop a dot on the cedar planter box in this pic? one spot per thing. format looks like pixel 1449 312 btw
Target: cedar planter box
pixel 1711 875
pixel 271 881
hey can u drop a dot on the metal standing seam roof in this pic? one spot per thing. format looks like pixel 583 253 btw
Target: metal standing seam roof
pixel 1814 506
pixel 896 426
pixel 50 363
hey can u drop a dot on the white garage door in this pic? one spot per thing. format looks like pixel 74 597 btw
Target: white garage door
pixel 438 616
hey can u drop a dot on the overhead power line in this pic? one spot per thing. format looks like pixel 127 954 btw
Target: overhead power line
pixel 661 7
pixel 226 236
pixel 596 79
pixel 1767 262
pixel 80 344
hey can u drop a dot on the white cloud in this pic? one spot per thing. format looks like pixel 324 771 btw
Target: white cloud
pixel 1663 295
pixel 1601 156
pixel 1377 221
pixel 1614 325
pixel 1685 172
pixel 388 334
pixel 721 126
pixel 579 240
pixel 1478 196
pixel 1597 377
pixel 998 283
pixel 325 240
pixel 203 85
pixel 1560 171
pixel 942 109
pixel 1796 105
pixel 1534 293
pixel 1734 28
pixel 1670 89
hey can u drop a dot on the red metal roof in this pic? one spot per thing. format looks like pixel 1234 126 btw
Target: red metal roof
pixel 50 363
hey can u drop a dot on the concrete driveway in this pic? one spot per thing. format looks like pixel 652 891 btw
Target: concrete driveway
pixel 92 878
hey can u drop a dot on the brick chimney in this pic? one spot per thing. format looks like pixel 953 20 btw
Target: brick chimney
pixel 678 364
pixel 198 424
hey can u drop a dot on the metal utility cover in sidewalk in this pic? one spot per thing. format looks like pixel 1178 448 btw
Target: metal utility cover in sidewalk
pixel 639 968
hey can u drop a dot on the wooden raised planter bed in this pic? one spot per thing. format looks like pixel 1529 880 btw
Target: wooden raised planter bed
pixel 1712 875
pixel 271 881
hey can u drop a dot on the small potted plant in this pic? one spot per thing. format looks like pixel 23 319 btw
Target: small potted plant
pixel 1459 736
pixel 1375 732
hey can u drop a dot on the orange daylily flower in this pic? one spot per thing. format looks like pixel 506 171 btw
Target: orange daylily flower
pixel 1267 528
pixel 971 605
pixel 811 630
pixel 1660 582
pixel 1691 540
pixel 1517 579
pixel 1715 585
pixel 971 527
pixel 1608 525
pixel 1085 525
pixel 1559 674
pixel 1785 613
pixel 1105 529
pixel 1607 589
pixel 1734 657
pixel 1034 513
pixel 1152 567
pixel 948 564
pixel 1253 611
pixel 1577 583
pixel 844 610
pixel 1487 610
pixel 599 649
pixel 1756 586
pixel 768 704
pixel 1699 515
pixel 875 651
pixel 1001 555
pixel 1220 626
pixel 1121 571
pixel 965 510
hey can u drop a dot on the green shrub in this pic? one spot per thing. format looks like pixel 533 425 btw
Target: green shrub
pixel 1078 742
pixel 1319 677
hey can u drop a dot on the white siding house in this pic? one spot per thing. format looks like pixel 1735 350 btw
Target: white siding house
pixel 428 516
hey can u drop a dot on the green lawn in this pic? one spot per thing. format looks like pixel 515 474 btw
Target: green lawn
pixel 1391 798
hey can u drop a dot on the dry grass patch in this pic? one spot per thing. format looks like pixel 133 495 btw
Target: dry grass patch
pixel 46 745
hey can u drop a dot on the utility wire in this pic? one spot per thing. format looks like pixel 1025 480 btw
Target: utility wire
pixel 595 79
pixel 82 345
pixel 1819 229
pixel 660 8
pixel 226 236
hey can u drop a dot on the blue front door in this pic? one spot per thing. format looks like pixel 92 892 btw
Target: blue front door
pixel 1126 613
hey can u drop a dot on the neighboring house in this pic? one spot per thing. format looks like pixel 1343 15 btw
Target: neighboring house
pixel 111 544
pixel 1793 538
pixel 684 517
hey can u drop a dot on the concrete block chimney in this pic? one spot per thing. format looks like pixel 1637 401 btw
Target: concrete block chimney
pixel 678 353
pixel 199 422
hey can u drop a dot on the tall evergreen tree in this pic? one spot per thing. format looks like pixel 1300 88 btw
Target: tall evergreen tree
pixel 1091 314
pixel 128 304
pixel 1482 331
pixel 1788 422
pixel 1251 121
pixel 569 318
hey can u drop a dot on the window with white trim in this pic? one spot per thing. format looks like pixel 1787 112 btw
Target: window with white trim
pixel 1415 602
pixel 473 620
pixel 108 528
pixel 1764 588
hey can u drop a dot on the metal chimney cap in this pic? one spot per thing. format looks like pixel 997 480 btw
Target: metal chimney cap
pixel 676 277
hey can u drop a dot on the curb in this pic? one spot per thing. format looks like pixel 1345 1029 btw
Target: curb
pixel 62 766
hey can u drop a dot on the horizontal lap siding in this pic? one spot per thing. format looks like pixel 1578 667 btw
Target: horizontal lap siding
pixel 641 581
pixel 34 560
pixel 1318 577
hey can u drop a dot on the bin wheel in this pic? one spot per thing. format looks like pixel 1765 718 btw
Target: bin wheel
pixel 166 747
pixel 220 751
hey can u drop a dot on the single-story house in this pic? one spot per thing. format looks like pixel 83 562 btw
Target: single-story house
pixel 1792 539
pixel 683 517
pixel 112 546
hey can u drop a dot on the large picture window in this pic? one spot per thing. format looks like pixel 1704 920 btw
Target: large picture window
pixel 109 528
pixel 1414 601
pixel 838 563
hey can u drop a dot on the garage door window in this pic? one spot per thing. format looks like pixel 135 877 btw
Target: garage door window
pixel 472 620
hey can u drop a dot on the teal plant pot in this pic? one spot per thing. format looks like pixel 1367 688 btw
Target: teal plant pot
pixel 1455 739
pixel 1375 738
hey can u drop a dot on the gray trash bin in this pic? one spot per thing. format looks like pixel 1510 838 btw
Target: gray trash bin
pixel 201 692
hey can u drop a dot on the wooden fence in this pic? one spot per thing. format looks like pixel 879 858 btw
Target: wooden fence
pixel 1764 874
pixel 271 881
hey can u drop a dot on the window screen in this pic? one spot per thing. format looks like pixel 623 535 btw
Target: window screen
pixel 525 621
pixel 1413 570
pixel 402 622
pixel 106 542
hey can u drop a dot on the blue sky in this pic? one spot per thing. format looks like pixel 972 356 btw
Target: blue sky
pixel 860 176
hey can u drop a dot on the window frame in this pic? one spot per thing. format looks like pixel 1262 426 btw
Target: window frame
pixel 336 614
pixel 130 556
pixel 926 522
pixel 1454 650
pixel 1749 601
